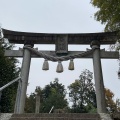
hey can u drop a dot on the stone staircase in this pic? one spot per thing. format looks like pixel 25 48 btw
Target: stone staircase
pixel 55 116
pixel 59 116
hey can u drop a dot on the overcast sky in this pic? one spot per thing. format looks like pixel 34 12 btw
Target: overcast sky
pixel 57 16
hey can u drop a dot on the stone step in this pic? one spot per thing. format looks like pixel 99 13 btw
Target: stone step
pixel 56 115
pixel 46 116
pixel 54 119
pixel 60 116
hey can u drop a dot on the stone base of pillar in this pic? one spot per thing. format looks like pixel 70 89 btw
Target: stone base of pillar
pixel 105 116
pixel 5 116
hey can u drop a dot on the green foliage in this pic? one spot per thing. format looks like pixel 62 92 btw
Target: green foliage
pixel 112 106
pixel 52 94
pixel 31 100
pixel 108 13
pixel 82 93
pixel 8 72
pixel 90 108
pixel 30 103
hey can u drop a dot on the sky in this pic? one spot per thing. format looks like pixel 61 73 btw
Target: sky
pixel 57 16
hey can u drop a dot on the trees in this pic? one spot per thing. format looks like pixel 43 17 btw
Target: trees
pixel 82 93
pixel 52 94
pixel 31 100
pixel 8 72
pixel 108 13
pixel 112 106
pixel 30 103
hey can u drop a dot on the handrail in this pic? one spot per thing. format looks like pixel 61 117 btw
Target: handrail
pixel 8 84
pixel 51 109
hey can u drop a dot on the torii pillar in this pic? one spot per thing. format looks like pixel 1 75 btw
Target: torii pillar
pixel 99 85
pixel 22 87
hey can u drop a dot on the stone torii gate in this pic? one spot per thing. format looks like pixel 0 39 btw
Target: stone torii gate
pixel 61 42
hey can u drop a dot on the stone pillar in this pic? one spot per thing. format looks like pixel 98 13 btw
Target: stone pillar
pixel 22 87
pixel 37 108
pixel 99 85
pixel 16 108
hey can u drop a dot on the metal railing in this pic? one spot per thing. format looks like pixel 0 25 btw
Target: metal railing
pixel 51 109
pixel 8 84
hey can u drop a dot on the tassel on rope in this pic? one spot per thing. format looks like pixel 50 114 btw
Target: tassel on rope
pixel 45 65
pixel 71 65
pixel 59 67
